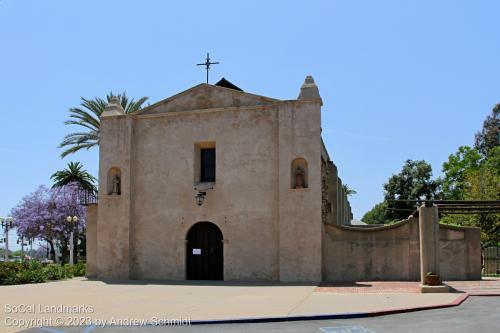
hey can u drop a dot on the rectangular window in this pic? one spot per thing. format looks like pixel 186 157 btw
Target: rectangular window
pixel 207 164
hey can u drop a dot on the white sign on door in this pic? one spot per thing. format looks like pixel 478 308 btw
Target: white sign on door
pixel 197 251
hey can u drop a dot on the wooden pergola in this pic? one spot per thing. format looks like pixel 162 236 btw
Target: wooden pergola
pixel 453 206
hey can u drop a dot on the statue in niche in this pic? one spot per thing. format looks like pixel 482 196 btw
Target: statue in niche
pixel 116 185
pixel 299 178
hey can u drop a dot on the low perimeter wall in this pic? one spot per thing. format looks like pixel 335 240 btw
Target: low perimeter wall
pixel 393 252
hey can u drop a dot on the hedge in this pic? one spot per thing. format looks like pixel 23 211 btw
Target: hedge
pixel 35 272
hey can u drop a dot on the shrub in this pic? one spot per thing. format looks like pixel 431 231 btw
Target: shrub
pixel 26 272
pixel 30 276
pixel 35 272
pixel 55 272
pixel 79 269
pixel 8 272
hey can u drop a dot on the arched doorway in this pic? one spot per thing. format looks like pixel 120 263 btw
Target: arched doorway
pixel 204 257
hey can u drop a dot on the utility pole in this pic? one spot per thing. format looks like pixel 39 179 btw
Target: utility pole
pixel 22 248
pixel 6 223
pixel 6 240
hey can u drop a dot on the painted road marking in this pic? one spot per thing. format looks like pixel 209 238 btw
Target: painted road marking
pixel 87 329
pixel 346 329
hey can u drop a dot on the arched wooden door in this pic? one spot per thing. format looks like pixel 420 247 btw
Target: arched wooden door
pixel 205 256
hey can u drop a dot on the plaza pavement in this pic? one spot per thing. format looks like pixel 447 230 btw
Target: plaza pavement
pixel 146 300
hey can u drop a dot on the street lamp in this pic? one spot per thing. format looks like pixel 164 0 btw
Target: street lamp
pixel 72 220
pixel 6 223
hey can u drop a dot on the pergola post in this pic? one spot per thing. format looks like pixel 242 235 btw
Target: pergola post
pixel 428 217
pixel 429 240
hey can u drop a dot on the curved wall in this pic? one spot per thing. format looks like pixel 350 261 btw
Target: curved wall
pixel 392 252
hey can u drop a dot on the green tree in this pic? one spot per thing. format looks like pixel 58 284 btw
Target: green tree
pixel 412 183
pixel 377 215
pixel 489 137
pixel 74 173
pixel 464 161
pixel 484 184
pixel 481 182
pixel 88 117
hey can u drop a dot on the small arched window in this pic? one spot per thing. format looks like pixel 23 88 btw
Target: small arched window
pixel 300 173
pixel 114 181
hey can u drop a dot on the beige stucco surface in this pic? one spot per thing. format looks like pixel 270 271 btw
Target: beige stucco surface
pixel 392 253
pixel 145 300
pixel 243 203
pixel 271 231
pixel 91 240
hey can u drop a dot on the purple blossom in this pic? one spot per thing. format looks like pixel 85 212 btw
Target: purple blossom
pixel 42 214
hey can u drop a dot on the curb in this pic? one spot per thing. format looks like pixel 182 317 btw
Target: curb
pixel 459 300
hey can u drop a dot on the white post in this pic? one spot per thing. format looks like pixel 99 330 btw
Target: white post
pixel 6 240
pixel 72 220
pixel 71 249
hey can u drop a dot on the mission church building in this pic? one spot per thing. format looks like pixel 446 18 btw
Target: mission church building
pixel 214 183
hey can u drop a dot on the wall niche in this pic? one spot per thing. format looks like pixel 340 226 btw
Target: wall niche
pixel 114 181
pixel 299 175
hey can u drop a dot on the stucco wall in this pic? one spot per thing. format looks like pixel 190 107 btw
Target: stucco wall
pixel 204 96
pixel 243 203
pixel 336 207
pixel 300 209
pixel 392 253
pixel 113 226
pixel 460 252
pixel 271 231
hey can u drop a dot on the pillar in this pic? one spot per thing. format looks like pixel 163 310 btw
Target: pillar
pixel 429 240
pixel 113 213
pixel 300 221
pixel 91 239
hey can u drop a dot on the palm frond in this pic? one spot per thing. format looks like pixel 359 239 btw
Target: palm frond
pixel 79 138
pixel 84 116
pixel 74 174
pixel 80 123
pixel 87 115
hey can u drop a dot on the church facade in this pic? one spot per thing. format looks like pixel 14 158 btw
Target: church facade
pixel 215 183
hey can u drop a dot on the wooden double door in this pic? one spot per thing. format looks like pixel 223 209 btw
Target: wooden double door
pixel 205 255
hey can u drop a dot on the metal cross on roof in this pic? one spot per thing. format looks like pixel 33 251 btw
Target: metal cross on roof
pixel 207 64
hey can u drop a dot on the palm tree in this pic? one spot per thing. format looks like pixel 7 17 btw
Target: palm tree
pixel 88 116
pixel 74 174
pixel 348 191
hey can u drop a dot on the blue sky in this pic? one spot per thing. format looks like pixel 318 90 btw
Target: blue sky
pixel 399 79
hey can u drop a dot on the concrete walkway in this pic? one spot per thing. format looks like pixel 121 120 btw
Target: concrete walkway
pixel 100 302
pixel 485 287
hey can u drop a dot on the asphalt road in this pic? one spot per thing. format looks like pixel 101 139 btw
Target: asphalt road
pixel 476 315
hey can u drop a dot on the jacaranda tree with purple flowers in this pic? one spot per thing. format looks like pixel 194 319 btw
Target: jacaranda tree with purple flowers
pixel 42 215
